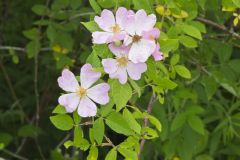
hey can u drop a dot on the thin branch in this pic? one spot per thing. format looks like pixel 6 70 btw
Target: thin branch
pixel 109 141
pixel 14 155
pixel 219 26
pixel 149 110
pixel 21 49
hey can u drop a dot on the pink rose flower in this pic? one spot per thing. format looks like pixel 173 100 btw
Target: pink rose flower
pixel 120 67
pixel 137 26
pixel 112 27
pixel 81 96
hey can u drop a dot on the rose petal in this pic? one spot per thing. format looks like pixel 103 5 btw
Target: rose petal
pixel 144 22
pixel 120 74
pixel 101 37
pixel 136 69
pixel 68 81
pixel 87 108
pixel 118 51
pixel 140 51
pixel 99 93
pixel 157 55
pixel 152 34
pixel 87 76
pixel 106 20
pixel 109 65
pixel 69 101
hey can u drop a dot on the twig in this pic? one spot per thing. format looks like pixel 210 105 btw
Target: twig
pixel 11 88
pixel 63 140
pixel 109 141
pixel 14 155
pixel 149 110
pixel 21 49
pixel 219 26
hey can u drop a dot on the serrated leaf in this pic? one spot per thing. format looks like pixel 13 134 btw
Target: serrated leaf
pixel 121 93
pixel 32 34
pixel 127 153
pixel 178 122
pixel 62 121
pixel 95 6
pixel 78 136
pixel 92 26
pixel 182 71
pixel 118 124
pixel 153 120
pixel 98 129
pixel 134 125
pixel 188 41
pixel 93 153
pixel 196 124
pixel 168 45
pixel 191 31
pixel 135 87
pixel 40 9
pixel 33 48
pixel 112 155
pixel 174 59
pixel 149 133
pixel 59 109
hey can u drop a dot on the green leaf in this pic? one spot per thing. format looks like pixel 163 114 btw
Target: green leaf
pixel 98 129
pixel 62 121
pixel 32 48
pixel 154 121
pixel 40 9
pixel 95 6
pixel 5 138
pixel 112 155
pixel 131 121
pixel 121 93
pixel 94 60
pixel 59 109
pixel 32 34
pixel 135 87
pixel 168 45
pixel 29 131
pixel 106 109
pixel 166 83
pixel 107 3
pixel 84 144
pixel 191 31
pixel 143 4
pixel 174 59
pixel 102 50
pixel 127 153
pixel 178 122
pixel 92 26
pixel 182 71
pixel 76 118
pixel 188 41
pixel 236 2
pixel 93 153
pixel 78 136
pixel 196 124
pixel 68 144
pixel 118 124
pixel 149 133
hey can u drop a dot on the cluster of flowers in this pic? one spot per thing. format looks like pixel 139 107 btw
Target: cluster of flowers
pixel 131 37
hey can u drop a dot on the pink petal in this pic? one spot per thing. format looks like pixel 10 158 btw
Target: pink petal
pixel 120 74
pixel 101 37
pixel 140 51
pixel 87 108
pixel 106 20
pixel 152 34
pixel 118 51
pixel 136 69
pixel 144 22
pixel 69 101
pixel 99 93
pixel 157 55
pixel 109 65
pixel 117 36
pixel 68 81
pixel 129 23
pixel 121 16
pixel 87 76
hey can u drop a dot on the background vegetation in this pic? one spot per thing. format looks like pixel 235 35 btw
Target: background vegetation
pixel 199 112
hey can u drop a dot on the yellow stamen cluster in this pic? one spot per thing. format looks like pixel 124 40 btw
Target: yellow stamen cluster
pixel 82 92
pixel 122 62
pixel 116 29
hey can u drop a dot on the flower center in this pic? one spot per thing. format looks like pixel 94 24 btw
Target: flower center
pixel 81 91
pixel 122 62
pixel 136 38
pixel 116 29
